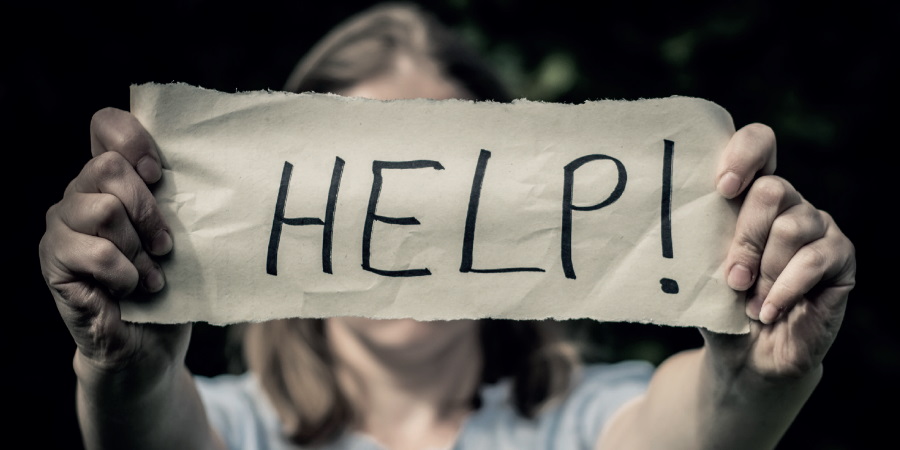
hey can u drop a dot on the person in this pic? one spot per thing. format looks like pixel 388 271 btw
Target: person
pixel 356 383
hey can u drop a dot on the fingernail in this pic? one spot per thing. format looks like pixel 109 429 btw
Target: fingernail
pixel 162 243
pixel 154 280
pixel 752 308
pixel 749 310
pixel 769 313
pixel 740 277
pixel 148 169
pixel 729 185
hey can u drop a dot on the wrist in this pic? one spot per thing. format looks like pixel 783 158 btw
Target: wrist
pixel 743 383
pixel 129 364
pixel 131 380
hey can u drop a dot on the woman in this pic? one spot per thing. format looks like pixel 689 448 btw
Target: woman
pixel 358 383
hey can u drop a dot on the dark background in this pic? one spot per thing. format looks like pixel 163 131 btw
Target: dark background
pixel 821 75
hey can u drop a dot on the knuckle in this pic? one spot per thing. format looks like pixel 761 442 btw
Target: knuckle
pixel 827 221
pixel 851 249
pixel 129 139
pixel 770 190
pixel 102 121
pixel 103 115
pixel 756 145
pixel 787 228
pixel 848 271
pixel 51 214
pixel 107 210
pixel 73 184
pixel 761 132
pixel 46 246
pixel 811 211
pixel 814 258
pixel 108 165
pixel 45 252
pixel 107 256
pixel 819 222
pixel 50 250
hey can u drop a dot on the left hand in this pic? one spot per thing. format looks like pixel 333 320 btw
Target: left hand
pixel 794 263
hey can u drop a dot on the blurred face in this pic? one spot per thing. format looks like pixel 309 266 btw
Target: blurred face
pixel 409 80
pixel 403 339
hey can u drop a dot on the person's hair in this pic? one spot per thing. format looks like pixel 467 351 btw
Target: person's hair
pixel 368 44
pixel 290 356
pixel 291 359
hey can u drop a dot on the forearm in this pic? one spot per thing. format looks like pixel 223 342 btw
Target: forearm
pixel 750 411
pixel 142 408
pixel 694 402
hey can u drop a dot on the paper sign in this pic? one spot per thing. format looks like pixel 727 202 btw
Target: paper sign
pixel 315 205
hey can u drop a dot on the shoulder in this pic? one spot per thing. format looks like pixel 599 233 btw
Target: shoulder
pixel 609 382
pixel 601 390
pixel 573 422
pixel 238 409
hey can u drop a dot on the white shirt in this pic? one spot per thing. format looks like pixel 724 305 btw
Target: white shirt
pixel 240 411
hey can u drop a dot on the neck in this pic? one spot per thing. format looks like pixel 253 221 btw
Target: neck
pixel 405 397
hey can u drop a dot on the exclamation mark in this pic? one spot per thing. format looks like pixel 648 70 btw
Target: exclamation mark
pixel 668 285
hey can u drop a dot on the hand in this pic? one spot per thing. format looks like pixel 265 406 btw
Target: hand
pixel 794 263
pixel 99 247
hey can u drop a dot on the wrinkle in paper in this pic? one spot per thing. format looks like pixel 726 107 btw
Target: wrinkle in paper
pixel 224 155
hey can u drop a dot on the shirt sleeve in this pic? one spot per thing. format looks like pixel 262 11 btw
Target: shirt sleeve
pixel 602 391
pixel 239 411
pixel 575 423
pixel 236 409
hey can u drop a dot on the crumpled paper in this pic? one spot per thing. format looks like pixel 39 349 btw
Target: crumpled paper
pixel 315 205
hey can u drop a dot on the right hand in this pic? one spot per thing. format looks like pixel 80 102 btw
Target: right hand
pixel 99 247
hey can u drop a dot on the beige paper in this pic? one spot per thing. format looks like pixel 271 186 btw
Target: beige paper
pixel 225 155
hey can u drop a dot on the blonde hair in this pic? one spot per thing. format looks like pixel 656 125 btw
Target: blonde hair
pixel 290 356
pixel 369 43
pixel 291 360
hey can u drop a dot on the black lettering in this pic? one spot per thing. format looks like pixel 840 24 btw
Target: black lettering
pixel 279 220
pixel 471 216
pixel 667 285
pixel 568 207
pixel 371 217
